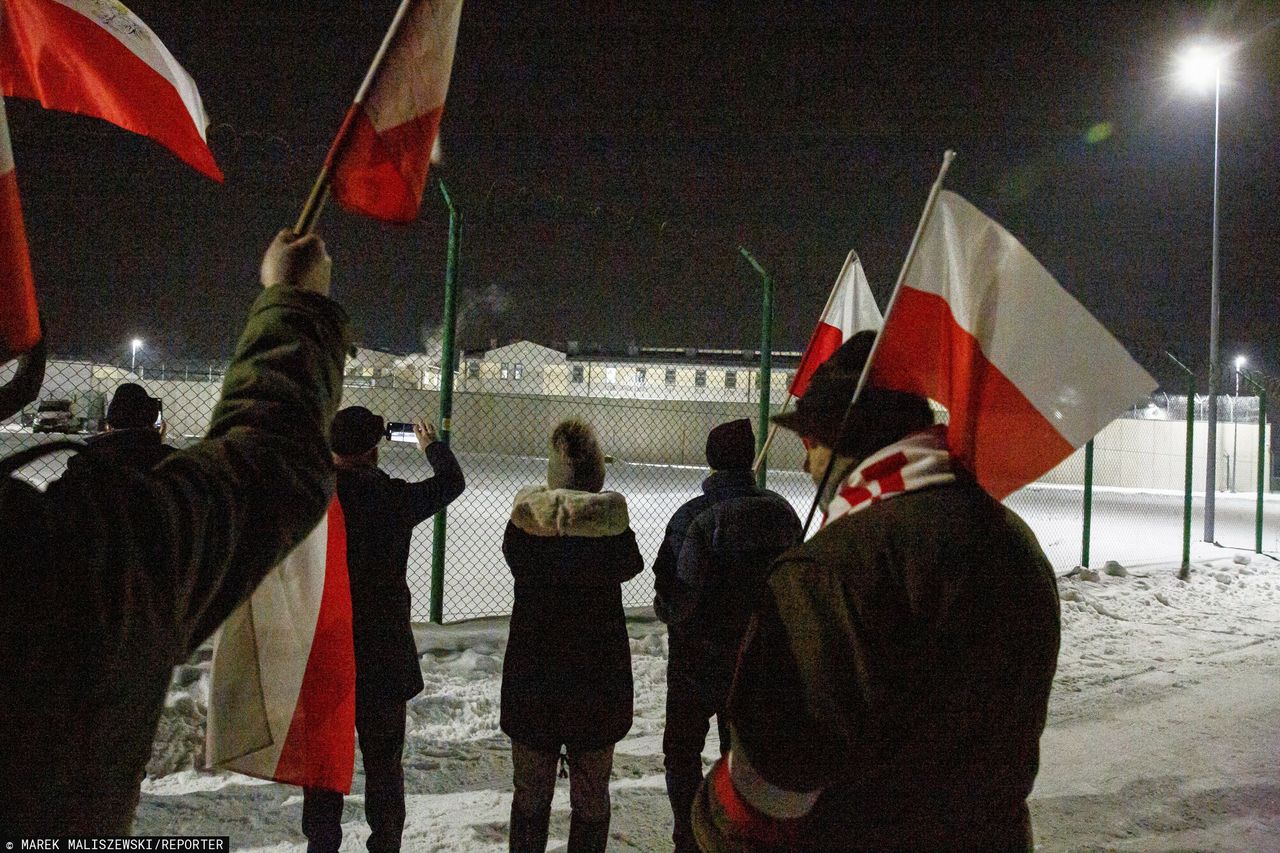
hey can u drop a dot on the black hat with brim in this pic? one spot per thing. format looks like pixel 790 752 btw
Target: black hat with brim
pixel 355 429
pixel 879 418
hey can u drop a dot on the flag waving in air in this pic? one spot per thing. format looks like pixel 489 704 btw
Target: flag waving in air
pixel 283 684
pixel 380 157
pixel 850 308
pixel 19 322
pixel 97 58
pixel 1026 373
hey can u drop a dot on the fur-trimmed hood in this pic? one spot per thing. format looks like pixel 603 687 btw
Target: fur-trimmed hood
pixel 543 511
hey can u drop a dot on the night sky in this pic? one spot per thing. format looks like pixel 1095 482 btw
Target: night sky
pixel 610 157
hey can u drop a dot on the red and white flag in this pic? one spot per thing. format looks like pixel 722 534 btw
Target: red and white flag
pixel 97 58
pixel 19 321
pixel 380 167
pixel 1026 373
pixel 850 309
pixel 283 683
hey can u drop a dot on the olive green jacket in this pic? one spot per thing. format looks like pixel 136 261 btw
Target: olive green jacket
pixel 112 576
pixel 893 688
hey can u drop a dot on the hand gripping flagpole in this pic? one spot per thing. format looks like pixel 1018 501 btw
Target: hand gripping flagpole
pixel 929 204
pixel 786 404
pixel 320 189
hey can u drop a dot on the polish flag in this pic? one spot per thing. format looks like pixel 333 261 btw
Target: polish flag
pixel 850 309
pixel 97 58
pixel 380 158
pixel 19 322
pixel 1026 373
pixel 283 684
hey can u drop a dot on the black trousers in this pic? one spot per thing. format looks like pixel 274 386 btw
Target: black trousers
pixel 689 714
pixel 380 728
pixel 534 772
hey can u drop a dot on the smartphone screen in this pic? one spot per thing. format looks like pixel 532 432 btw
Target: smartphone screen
pixel 397 431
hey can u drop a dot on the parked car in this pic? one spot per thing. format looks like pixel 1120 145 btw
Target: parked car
pixel 54 415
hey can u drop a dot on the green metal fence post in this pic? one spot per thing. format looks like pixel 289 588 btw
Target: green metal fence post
pixel 1262 458
pixel 766 362
pixel 1262 463
pixel 1088 502
pixel 1185 571
pixel 449 322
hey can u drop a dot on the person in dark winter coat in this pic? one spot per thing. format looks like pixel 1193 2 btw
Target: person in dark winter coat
pixel 112 576
pixel 566 677
pixel 709 571
pixel 135 432
pixel 380 513
pixel 895 681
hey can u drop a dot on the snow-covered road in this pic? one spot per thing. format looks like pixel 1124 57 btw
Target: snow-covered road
pixel 1164 731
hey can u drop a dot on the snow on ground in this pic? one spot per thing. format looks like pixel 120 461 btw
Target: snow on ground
pixel 1164 730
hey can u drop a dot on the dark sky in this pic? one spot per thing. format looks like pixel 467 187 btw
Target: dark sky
pixel 610 157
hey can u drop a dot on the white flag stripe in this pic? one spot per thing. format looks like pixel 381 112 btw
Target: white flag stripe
pixel 128 29
pixel 999 293
pixel 426 40
pixel 6 150
pixel 855 308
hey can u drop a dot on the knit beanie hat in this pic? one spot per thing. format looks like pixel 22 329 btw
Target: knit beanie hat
pixel 575 460
pixel 731 446
pixel 880 417
pixel 132 407
pixel 355 429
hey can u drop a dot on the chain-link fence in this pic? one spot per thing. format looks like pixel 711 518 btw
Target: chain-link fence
pixel 652 410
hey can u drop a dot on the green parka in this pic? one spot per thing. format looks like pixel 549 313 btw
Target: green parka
pixel 112 576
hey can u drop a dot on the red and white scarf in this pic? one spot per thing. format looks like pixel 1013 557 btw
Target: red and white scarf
pixel 919 460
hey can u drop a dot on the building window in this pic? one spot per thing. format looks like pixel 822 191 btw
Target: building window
pixel 611 375
pixel 505 370
pixel 576 375
pixel 700 379
pixel 519 370
pixel 473 369
pixel 731 379
pixel 640 375
pixel 670 378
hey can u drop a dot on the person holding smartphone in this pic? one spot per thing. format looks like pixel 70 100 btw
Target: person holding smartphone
pixel 381 512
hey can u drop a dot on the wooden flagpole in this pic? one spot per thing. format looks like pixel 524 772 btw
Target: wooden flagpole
pixel 929 204
pixel 320 189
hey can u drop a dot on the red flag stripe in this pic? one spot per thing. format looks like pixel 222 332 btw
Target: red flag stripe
pixel 993 429
pixel 826 340
pixel 67 61
pixel 320 745
pixel 384 174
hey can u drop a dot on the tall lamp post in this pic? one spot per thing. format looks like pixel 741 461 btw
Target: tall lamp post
pixel 1198 66
pixel 1235 426
pixel 133 357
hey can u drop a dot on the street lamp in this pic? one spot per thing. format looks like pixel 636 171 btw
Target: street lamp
pixel 1198 65
pixel 133 359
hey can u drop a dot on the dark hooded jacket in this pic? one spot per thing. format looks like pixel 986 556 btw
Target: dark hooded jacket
pixel 710 569
pixel 894 685
pixel 381 512
pixel 566 677
pixel 114 575
pixel 141 449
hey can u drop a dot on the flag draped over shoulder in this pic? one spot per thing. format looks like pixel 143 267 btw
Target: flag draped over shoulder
pixel 379 160
pixel 1026 373
pixel 97 58
pixel 850 308
pixel 19 321
pixel 282 687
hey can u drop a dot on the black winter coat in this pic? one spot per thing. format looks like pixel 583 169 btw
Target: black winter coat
pixel 566 677
pixel 140 449
pixel 381 512
pixel 710 571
